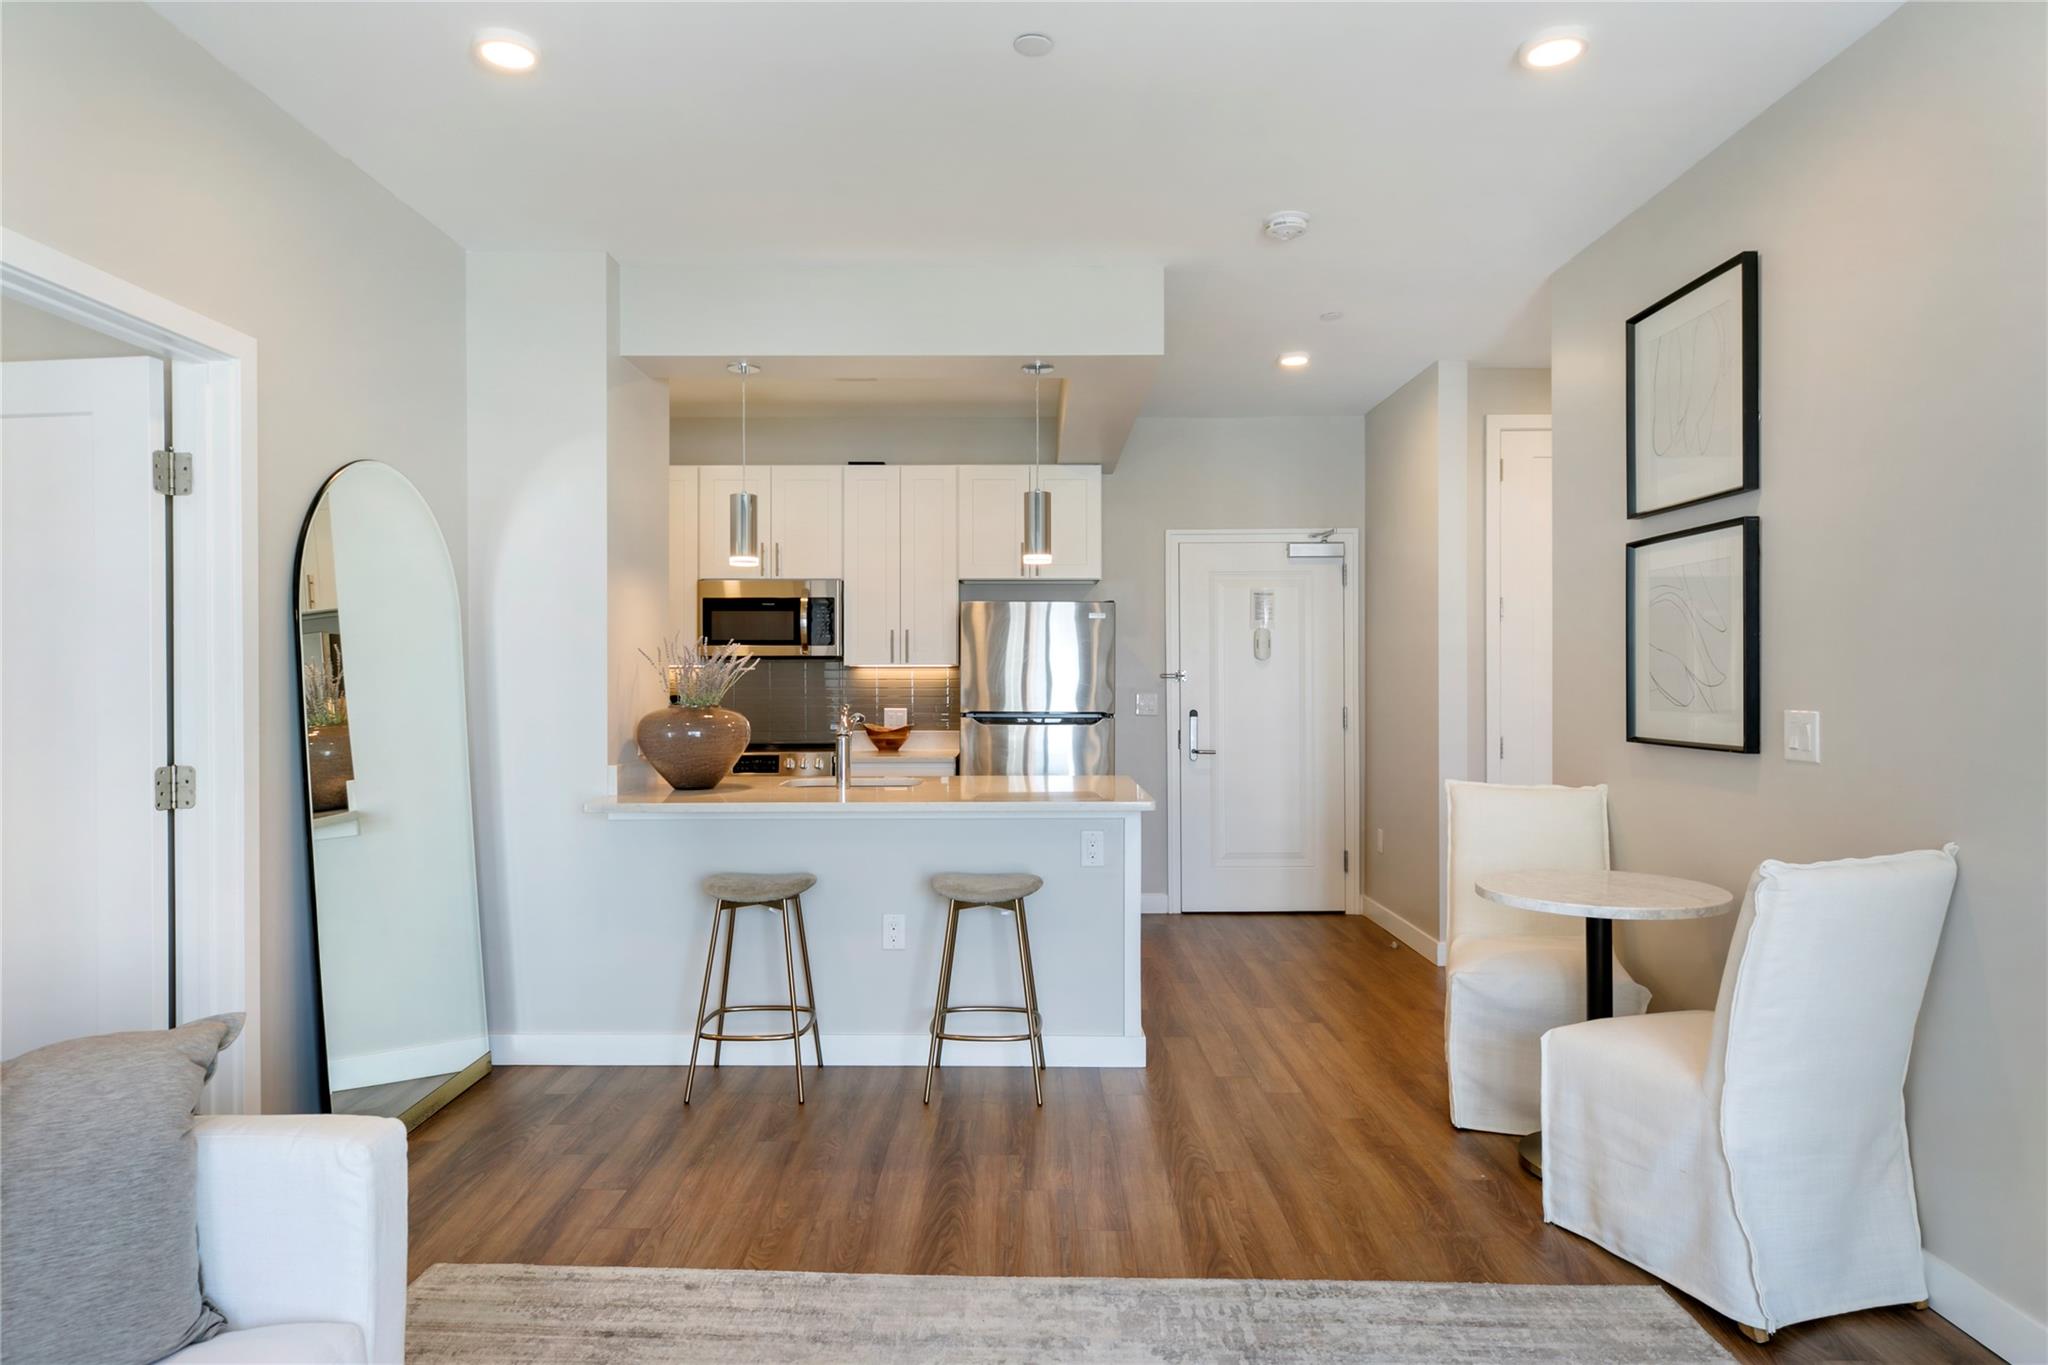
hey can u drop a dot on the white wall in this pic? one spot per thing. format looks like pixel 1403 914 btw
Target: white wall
pixel 1402 440
pixel 1897 202
pixel 1195 474
pixel 126 146
pixel 636 540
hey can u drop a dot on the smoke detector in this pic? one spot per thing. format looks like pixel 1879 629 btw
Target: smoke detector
pixel 1286 225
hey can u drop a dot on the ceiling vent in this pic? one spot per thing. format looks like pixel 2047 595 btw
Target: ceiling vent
pixel 1286 225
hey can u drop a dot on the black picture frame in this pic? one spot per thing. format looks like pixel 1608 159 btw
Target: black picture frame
pixel 1749 475
pixel 1749 631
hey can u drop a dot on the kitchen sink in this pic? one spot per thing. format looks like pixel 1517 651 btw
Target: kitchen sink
pixel 893 783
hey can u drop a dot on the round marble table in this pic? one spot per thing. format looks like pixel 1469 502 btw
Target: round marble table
pixel 1599 898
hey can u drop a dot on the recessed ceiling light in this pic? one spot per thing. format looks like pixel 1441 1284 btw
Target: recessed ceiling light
pixel 1294 360
pixel 503 50
pixel 1031 44
pixel 1559 47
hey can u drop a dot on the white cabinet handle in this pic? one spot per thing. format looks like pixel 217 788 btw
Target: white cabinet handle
pixel 892 646
pixel 778 559
pixel 906 644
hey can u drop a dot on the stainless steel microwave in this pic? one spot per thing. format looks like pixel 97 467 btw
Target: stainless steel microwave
pixel 775 617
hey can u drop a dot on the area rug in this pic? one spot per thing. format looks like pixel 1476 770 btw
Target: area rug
pixel 504 1314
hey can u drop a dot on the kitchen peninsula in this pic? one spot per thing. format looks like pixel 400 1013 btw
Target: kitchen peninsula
pixel 874 849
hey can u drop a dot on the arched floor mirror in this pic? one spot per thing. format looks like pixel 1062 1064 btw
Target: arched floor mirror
pixel 398 947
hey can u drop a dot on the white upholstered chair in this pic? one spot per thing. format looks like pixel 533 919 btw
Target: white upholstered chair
pixel 302 1239
pixel 1755 1156
pixel 1512 974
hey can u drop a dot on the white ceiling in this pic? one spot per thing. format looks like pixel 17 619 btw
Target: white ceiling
pixel 1446 183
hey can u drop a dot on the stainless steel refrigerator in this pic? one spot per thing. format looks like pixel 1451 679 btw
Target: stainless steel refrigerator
pixel 1037 688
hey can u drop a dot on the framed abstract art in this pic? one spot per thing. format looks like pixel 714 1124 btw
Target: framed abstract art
pixel 1693 633
pixel 1692 392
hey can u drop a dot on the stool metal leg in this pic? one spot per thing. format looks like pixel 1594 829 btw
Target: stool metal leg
pixel 732 929
pixel 718 910
pixel 796 1034
pixel 1030 1003
pixel 803 948
pixel 931 1066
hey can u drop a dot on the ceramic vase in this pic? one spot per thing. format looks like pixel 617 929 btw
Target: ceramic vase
pixel 330 765
pixel 693 747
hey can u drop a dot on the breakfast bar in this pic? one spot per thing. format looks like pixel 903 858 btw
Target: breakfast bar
pixel 875 925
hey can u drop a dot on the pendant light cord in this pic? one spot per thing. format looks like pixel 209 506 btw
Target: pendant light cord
pixel 743 427
pixel 1037 382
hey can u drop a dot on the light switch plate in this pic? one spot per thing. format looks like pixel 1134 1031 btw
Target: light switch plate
pixel 893 716
pixel 1802 736
pixel 1091 848
pixel 1147 703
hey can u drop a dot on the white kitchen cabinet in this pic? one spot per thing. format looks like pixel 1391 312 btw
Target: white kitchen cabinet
pixel 803 540
pixel 931 565
pixel 991 506
pixel 316 568
pixel 902 576
pixel 716 483
pixel 873 604
pixel 682 551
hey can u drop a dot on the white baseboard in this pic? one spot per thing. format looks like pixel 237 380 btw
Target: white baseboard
pixel 1155 903
pixel 841 1049
pixel 403 1064
pixel 1423 943
pixel 2002 1326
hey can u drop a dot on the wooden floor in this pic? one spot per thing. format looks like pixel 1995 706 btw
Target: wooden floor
pixel 1291 1124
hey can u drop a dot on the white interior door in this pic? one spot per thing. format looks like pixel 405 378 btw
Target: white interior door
pixel 1262 740
pixel 1518 582
pixel 85 875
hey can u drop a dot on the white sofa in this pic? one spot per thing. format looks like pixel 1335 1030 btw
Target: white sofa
pixel 1755 1155
pixel 302 1239
pixel 1511 974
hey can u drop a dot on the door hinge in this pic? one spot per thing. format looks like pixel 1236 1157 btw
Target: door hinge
pixel 1343 575
pixel 1503 746
pixel 1347 718
pixel 170 473
pixel 1503 467
pixel 1347 860
pixel 177 787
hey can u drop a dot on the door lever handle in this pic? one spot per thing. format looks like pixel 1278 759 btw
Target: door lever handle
pixel 1194 737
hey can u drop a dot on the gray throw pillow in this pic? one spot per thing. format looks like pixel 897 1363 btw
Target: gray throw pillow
pixel 99 1176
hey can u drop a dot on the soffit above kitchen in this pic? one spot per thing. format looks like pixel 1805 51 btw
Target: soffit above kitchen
pixel 1444 182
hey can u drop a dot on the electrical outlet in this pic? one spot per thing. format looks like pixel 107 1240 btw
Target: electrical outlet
pixel 1146 703
pixel 894 931
pixel 1379 841
pixel 893 716
pixel 1091 848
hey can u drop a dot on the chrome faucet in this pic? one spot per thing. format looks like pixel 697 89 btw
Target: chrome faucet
pixel 842 737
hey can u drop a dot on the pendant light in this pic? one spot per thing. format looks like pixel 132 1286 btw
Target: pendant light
pixel 745 549
pixel 1037 502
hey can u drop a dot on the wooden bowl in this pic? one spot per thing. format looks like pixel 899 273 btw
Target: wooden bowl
pixel 887 738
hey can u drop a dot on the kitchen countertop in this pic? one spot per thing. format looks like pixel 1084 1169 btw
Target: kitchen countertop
pixel 753 796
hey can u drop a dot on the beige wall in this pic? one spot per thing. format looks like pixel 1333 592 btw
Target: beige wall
pixel 126 146
pixel 1400 731
pixel 1897 201
pixel 1196 474
pixel 891 435
pixel 1489 393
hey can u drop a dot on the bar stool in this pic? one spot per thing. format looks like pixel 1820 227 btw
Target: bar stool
pixel 1004 891
pixel 781 892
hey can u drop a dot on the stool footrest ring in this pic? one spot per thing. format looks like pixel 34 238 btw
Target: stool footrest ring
pixel 810 1024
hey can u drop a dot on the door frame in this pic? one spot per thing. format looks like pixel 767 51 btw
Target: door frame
pixel 214 617
pixel 1349 538
pixel 1498 425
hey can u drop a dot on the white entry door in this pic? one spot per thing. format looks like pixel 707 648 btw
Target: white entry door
pixel 1518 580
pixel 85 875
pixel 1262 729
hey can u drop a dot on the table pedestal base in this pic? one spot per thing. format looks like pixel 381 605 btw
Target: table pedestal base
pixel 1530 1151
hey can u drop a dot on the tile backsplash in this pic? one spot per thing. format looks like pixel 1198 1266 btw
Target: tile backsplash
pixel 795 701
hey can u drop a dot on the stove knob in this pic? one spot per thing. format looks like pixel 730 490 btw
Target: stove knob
pixel 789 763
